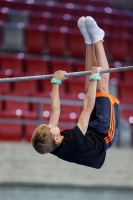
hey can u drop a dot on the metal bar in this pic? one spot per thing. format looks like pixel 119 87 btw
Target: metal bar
pixel 71 74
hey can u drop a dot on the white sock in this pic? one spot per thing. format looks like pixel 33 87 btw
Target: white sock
pixel 96 33
pixel 84 31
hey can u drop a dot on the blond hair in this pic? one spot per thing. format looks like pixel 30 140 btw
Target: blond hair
pixel 43 140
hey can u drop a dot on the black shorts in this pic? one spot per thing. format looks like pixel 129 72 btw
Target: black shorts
pixel 105 117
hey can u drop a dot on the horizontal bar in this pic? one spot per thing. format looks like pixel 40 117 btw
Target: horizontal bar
pixel 71 74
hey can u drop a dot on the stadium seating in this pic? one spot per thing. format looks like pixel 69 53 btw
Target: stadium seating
pixel 35 39
pixel 41 7
pixel 0 34
pixel 40 18
pixel 64 64
pixel 61 21
pixel 41 37
pixel 63 9
pixel 128 76
pixel 19 5
pixel 57 42
pixel 3 16
pixel 119 47
pixel 11 64
pixel 6 4
pixel 125 91
pixel 35 66
pixel 76 86
pixel 126 114
pixel 131 46
pixel 121 16
pixel 118 28
pixel 74 37
pixel 29 129
pixel 10 132
pixel 70 113
pixel 25 88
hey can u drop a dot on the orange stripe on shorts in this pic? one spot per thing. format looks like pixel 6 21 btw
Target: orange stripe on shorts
pixel 112 127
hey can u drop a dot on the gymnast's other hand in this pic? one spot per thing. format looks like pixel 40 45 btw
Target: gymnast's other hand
pixel 60 75
pixel 96 70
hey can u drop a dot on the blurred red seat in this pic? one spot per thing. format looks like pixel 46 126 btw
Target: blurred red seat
pixel 101 14
pixel 6 4
pixel 3 16
pixel 5 87
pixel 57 42
pixel 23 5
pixel 29 129
pixel 80 66
pixel 10 132
pixel 120 16
pixel 46 112
pixel 98 3
pixel 88 11
pixel 40 18
pixel 70 113
pixel 67 1
pixel 128 76
pixel 131 46
pixel 107 46
pixel 71 108
pixel 62 9
pixel 1 35
pixel 11 64
pixel 73 24
pixel 76 86
pixel 15 105
pixel 127 114
pixel 125 90
pixel 25 88
pixel 35 66
pixel 59 21
pixel 13 109
pixel 119 46
pixel 35 39
pixel 76 44
pixel 61 64
pixel 119 28
pixel 126 100
pixel 41 7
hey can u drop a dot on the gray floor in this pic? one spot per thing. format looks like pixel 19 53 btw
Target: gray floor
pixel 57 193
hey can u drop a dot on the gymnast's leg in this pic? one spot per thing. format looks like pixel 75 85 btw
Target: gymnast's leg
pixel 90 60
pixel 97 36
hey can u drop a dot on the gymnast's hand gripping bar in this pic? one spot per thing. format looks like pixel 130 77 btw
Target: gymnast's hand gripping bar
pixel 71 74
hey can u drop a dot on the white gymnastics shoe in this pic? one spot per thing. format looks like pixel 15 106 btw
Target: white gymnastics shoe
pixel 84 31
pixel 96 33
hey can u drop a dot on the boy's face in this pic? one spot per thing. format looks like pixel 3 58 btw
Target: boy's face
pixel 54 130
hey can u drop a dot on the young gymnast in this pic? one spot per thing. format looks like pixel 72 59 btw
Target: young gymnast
pixel 97 127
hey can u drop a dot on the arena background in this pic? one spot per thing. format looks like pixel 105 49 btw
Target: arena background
pixel 39 37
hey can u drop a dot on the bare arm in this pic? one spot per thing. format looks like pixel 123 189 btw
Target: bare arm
pixel 88 104
pixel 55 107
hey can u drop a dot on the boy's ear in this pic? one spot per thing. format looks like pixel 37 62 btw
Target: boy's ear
pixel 56 139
